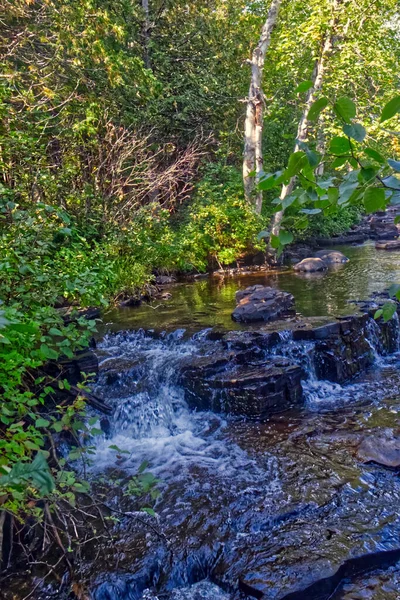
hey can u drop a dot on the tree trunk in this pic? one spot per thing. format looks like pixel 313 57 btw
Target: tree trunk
pixel 253 156
pixel 146 33
pixel 302 130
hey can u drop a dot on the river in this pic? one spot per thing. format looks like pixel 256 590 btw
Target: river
pixel 248 509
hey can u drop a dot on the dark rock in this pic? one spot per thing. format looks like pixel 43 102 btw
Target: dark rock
pixel 331 257
pixel 310 265
pixel 388 245
pixel 254 391
pixel 340 357
pixel 132 301
pixel 381 449
pixel 260 303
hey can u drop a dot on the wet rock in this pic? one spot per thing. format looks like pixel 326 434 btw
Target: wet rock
pixel 388 245
pixel 225 384
pixel 165 280
pixel 310 265
pixel 331 257
pixel 339 357
pixel 131 301
pixel 317 333
pixel 261 303
pixel 381 449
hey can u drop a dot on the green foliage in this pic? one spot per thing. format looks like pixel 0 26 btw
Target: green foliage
pixel 219 225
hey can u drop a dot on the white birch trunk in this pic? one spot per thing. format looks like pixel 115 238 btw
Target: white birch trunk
pixel 253 155
pixel 302 131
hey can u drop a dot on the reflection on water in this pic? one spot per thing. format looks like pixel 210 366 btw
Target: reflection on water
pixel 209 302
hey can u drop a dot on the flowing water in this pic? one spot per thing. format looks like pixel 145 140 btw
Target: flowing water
pixel 275 506
pixel 249 509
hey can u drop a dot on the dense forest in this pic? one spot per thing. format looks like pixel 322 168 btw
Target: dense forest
pixel 152 138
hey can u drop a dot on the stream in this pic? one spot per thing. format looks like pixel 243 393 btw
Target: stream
pixel 280 509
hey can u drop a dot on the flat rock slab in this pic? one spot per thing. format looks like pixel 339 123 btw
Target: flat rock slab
pixel 382 450
pixel 261 303
pixel 310 265
pixel 229 385
pixel 388 245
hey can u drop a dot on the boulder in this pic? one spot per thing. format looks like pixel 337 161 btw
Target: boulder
pixel 387 245
pixel 310 265
pixel 227 384
pixel 261 303
pixel 331 257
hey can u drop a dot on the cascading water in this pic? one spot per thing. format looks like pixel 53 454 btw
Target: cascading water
pixel 233 492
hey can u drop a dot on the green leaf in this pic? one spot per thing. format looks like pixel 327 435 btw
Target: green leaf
pixel 374 199
pixel 391 108
pixel 392 182
pixel 149 511
pixel 316 108
pixel 37 473
pixel 395 164
pixel 311 211
pixel 274 241
pixel 304 86
pixel 297 161
pixel 375 155
pixel 388 311
pixel 48 352
pixel 340 145
pixel 314 158
pixel 285 237
pixel 345 109
pixel 42 423
pixel 394 290
pixel 55 331
pixel 339 162
pixel 263 234
pixel 355 131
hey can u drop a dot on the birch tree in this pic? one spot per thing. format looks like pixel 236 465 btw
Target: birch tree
pixel 304 123
pixel 253 155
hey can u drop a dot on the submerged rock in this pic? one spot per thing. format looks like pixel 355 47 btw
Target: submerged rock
pixel 381 449
pixel 331 257
pixel 261 303
pixel 310 265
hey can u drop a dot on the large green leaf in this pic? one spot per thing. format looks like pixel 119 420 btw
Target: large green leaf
pixel 339 145
pixel 391 108
pixel 316 108
pixel 355 131
pixel 374 199
pixel 345 109
pixel 285 237
pixel 375 155
pixel 297 161
pixel 36 473
pixel 304 86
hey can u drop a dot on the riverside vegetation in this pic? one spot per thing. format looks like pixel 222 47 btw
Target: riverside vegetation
pixel 121 142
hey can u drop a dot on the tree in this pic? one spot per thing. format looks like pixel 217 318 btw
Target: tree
pixel 308 115
pixel 253 152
